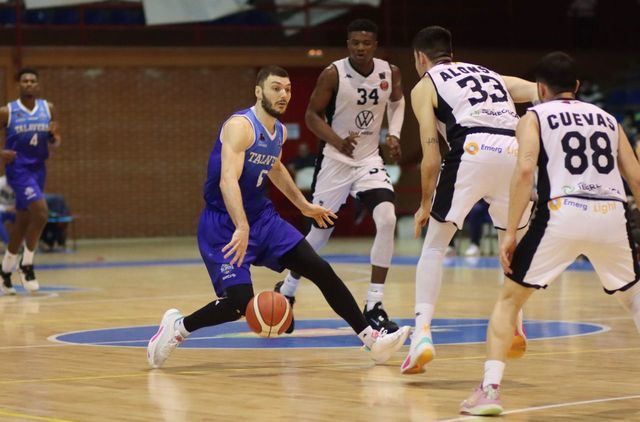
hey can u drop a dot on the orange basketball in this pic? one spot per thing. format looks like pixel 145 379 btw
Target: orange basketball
pixel 268 314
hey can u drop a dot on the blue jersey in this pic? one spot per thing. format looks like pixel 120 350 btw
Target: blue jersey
pixel 258 160
pixel 28 132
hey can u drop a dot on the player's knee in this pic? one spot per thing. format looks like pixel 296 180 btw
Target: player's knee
pixel 239 296
pixel 317 238
pixel 41 215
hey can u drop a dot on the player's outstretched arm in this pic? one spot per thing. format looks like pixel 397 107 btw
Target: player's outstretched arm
pixel 314 117
pixel 280 176
pixel 237 135
pixel 628 164
pixel 6 155
pixel 54 127
pixel 522 91
pixel 528 136
pixel 423 101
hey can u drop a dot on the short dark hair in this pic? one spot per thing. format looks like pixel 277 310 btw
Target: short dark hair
pixel 434 41
pixel 557 70
pixel 26 71
pixel 362 25
pixel 269 70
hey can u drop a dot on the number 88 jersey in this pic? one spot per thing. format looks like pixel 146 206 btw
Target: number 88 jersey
pixel 578 152
pixel 470 97
pixel 358 107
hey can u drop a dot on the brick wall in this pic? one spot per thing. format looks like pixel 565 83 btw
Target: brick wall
pixel 136 143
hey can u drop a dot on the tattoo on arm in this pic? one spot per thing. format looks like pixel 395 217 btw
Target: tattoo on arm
pixel 430 141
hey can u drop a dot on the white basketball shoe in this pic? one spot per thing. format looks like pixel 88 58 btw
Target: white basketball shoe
pixel 387 344
pixel 166 339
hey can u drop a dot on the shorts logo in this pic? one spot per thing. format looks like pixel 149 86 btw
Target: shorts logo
pixel 226 268
pixel 471 148
pixel 29 192
pixel 555 204
pixel 364 119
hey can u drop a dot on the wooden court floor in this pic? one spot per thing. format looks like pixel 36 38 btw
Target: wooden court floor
pixel 131 283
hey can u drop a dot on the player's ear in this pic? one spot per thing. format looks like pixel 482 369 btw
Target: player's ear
pixel 258 91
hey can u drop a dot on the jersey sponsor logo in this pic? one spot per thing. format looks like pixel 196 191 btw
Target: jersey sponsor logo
pixel 261 141
pixel 597 207
pixel 382 75
pixel 262 159
pixel 364 119
pixel 384 85
pixel 226 268
pixel 32 127
pixel 471 148
pixel 495 113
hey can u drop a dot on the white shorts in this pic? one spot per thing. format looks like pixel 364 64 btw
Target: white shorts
pixel 335 181
pixel 568 227
pixel 484 172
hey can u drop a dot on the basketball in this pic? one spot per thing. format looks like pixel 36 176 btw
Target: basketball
pixel 268 314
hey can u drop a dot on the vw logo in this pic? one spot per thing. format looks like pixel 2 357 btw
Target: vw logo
pixel 364 119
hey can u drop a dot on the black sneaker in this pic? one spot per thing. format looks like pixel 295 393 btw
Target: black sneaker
pixel 291 300
pixel 28 277
pixel 7 286
pixel 378 319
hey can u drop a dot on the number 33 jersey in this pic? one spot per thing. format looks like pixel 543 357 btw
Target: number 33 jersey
pixel 358 108
pixel 473 100
pixel 578 152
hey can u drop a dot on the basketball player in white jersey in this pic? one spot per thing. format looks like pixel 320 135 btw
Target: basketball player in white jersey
pixel 580 153
pixel 345 111
pixel 473 109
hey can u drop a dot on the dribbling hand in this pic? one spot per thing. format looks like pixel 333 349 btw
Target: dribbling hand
pixel 237 246
pixel 394 147
pixel 322 216
pixel 7 155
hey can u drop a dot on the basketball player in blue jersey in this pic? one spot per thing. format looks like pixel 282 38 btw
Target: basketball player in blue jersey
pixel 239 227
pixel 345 111
pixel 30 129
pixel 579 155
pixel 473 109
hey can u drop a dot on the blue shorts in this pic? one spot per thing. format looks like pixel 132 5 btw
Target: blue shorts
pixel 27 182
pixel 270 237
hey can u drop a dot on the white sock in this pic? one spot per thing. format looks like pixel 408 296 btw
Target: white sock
pixel 493 371
pixel 367 337
pixel 27 256
pixel 374 295
pixel 179 325
pixel 290 286
pixel 9 262
pixel 424 315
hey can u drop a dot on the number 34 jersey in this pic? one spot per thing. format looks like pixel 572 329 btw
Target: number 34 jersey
pixel 358 108
pixel 578 152
pixel 474 100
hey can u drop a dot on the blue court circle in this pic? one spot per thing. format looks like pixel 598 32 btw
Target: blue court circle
pixel 317 333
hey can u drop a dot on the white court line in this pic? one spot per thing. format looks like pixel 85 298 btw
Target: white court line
pixel 550 406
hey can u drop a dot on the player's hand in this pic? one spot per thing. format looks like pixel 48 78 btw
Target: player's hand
pixel 55 139
pixel 420 219
pixel 348 144
pixel 237 246
pixel 507 246
pixel 394 147
pixel 7 155
pixel 322 216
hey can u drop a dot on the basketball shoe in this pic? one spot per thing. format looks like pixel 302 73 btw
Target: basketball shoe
pixel 387 344
pixel 421 352
pixel 519 342
pixel 7 286
pixel 485 401
pixel 165 340
pixel 28 277
pixel 291 300
pixel 377 318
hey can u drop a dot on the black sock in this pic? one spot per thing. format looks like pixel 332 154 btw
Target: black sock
pixel 305 261
pixel 217 312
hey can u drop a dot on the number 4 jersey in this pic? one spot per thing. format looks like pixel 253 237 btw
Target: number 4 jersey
pixel 358 107
pixel 578 152
pixel 28 132
pixel 474 100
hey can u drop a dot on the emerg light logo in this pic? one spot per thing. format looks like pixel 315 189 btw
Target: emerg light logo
pixel 471 148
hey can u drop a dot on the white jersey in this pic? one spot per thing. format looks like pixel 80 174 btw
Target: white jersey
pixel 472 99
pixel 578 152
pixel 359 107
